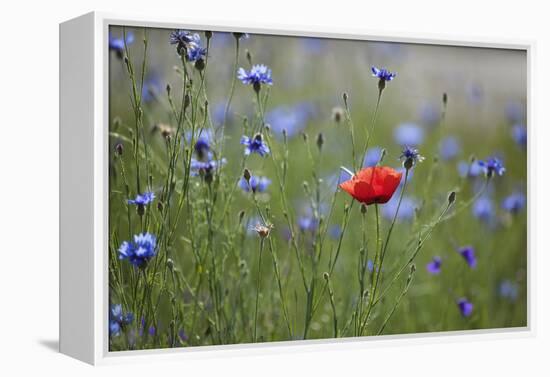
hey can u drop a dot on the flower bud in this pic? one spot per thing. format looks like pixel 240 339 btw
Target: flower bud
pixel 170 264
pixel 452 197
pixel 241 215
pixel 249 57
pixel 186 101
pixel 200 64
pixel 320 140
pixel 119 148
pixel 168 89
pixel 337 114
pixel 445 98
pixel 208 34
pixel 408 164
pixel 325 275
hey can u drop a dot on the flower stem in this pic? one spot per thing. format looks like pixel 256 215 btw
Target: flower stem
pixel 254 338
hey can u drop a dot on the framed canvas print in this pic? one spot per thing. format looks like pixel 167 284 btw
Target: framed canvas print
pixel 225 186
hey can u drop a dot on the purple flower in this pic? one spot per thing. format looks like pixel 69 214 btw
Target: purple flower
pixel 408 134
pixel 491 166
pixel 116 44
pixel 255 184
pixel 335 231
pixel 514 202
pixel 434 266
pixel 509 290
pixel 372 157
pixel 259 74
pixel 383 74
pixel 142 199
pixel 205 168
pixel 468 253
pixel 429 114
pixel 515 112
pixel 118 319
pixel 483 209
pixel 308 223
pixel 469 170
pixel 255 145
pixel 290 119
pixel 410 156
pixel 139 251
pixel 185 41
pixel 519 134
pixel 449 148
pixel 466 307
pixel 406 212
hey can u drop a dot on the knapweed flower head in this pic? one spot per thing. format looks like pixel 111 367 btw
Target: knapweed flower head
pixel 373 184
pixel 449 148
pixel 514 203
pixel 434 266
pixel 410 157
pixel 466 307
pixel 468 253
pixel 118 319
pixel 142 199
pixel 492 166
pixel 255 144
pixel 117 44
pixel 140 250
pixel 254 184
pixel 259 74
pixel 409 134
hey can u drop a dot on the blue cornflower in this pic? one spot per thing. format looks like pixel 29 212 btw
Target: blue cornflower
pixel 205 168
pixel 383 74
pixel 372 157
pixel 466 307
pixel 140 250
pixel 519 134
pixel 514 202
pixel 142 199
pixel 469 170
pixel 335 231
pixel 308 223
pixel 483 209
pixel 196 52
pixel 203 140
pixel 255 145
pixel 434 266
pixel 468 253
pixel 509 290
pixel 258 75
pixel 184 40
pixel 116 44
pixel 491 166
pixel 515 112
pixel 152 87
pixel 410 157
pixel 255 184
pixel 289 119
pixel 449 148
pixel 118 319
pixel 429 114
pixel 408 134
pixel 406 212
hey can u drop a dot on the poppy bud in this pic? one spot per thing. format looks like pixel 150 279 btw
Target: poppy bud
pixel 320 140
pixel 452 197
pixel 119 148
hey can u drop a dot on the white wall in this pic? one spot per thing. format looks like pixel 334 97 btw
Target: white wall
pixel 29 183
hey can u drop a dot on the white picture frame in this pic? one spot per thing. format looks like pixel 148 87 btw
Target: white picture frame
pixel 84 186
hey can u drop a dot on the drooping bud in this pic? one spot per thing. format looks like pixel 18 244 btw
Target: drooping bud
pixel 119 148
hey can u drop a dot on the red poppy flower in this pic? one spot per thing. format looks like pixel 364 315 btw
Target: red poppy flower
pixel 373 184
